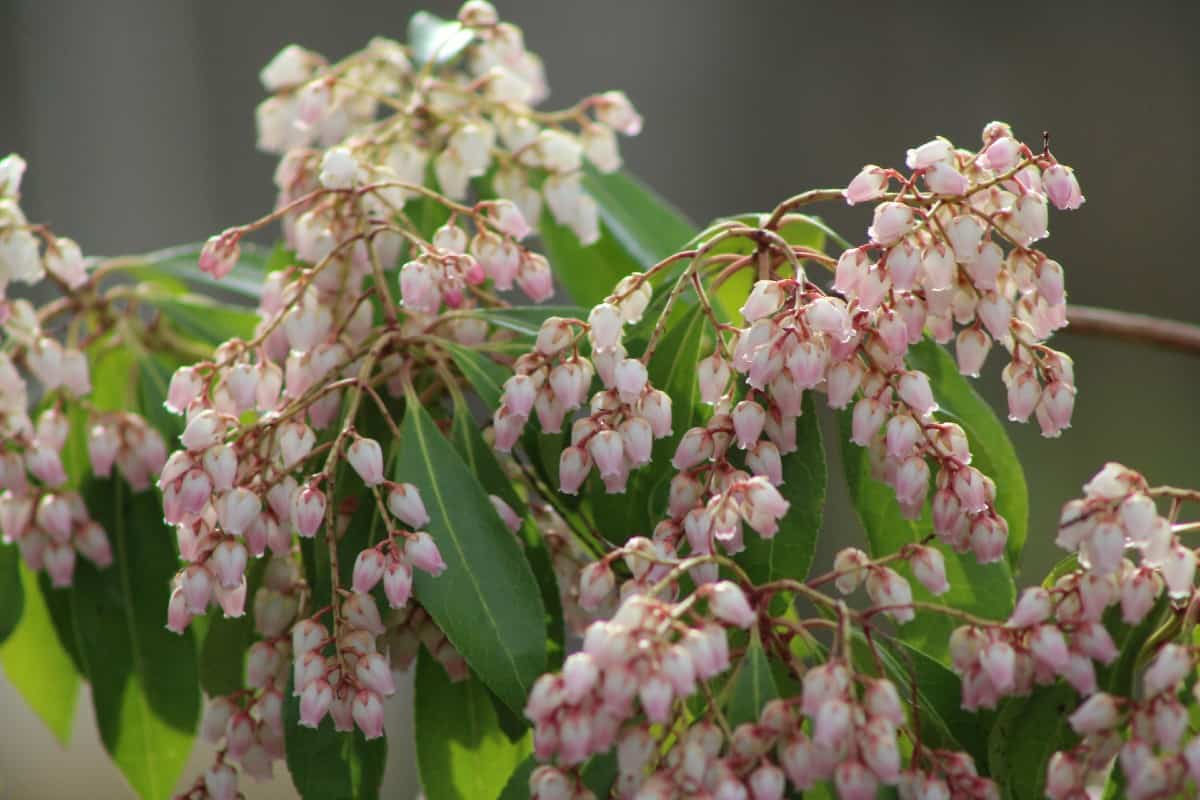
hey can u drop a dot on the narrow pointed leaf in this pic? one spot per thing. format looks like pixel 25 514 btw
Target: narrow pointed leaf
pixel 753 686
pixel 789 554
pixel 327 765
pixel 464 754
pixel 645 224
pixel 525 320
pixel 487 600
pixel 147 715
pixel 38 664
pixel 12 593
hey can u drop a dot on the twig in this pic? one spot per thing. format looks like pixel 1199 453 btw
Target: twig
pixel 1169 334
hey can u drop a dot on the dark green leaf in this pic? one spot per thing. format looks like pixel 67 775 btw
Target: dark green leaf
pixel 754 685
pixel 517 785
pixel 205 320
pixel 525 320
pixel 463 755
pixel 985 590
pixel 485 375
pixel 992 451
pixel 789 554
pixel 432 38
pixel 327 765
pixel 589 273
pixel 224 641
pixel 12 594
pixel 245 281
pixel 143 677
pixel 1027 732
pixel 647 226
pixel 38 664
pixel 487 601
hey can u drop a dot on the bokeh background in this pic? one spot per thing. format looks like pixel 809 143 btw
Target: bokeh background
pixel 137 121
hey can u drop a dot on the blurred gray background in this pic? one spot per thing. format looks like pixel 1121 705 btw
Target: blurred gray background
pixel 137 122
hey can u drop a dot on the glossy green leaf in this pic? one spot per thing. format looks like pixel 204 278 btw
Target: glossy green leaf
pixel 986 590
pixel 223 641
pixel 644 223
pixel 487 601
pixel 327 765
pixel 587 273
pixel 12 593
pixel 753 686
pixel 525 320
pixel 147 714
pixel 462 752
pixel 517 785
pixel 431 38
pixel 992 451
pixel 789 554
pixel 38 664
pixel 245 280
pixel 485 375
pixel 1027 732
pixel 203 319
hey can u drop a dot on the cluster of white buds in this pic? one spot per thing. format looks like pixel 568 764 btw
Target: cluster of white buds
pixel 646 652
pixel 452 262
pixel 391 562
pixel 625 416
pixel 1149 737
pixel 247 724
pixel 388 122
pixel 936 259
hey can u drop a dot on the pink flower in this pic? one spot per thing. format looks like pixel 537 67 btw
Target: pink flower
pixel 1062 187
pixel 869 184
pixel 729 604
pixel 366 457
pixel 423 552
pixel 368 713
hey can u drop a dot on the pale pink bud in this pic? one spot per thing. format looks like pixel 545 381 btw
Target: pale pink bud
pixel 915 392
pixel 59 561
pixel 1179 571
pixel 1167 670
pixel 764 459
pixel 580 676
pixel 1138 593
pixel 368 570
pixel 573 467
pixel 1062 187
pixel 196 584
pixel 892 221
pixel 374 673
pixel 422 551
pixel 368 713
pixel 596 583
pixel 220 782
pixel 607 450
pixel 729 604
pixel 881 699
pixel 998 660
pixel 1098 713
pixel 202 431
pixel 929 567
pixel 767 782
pixel 655 408
pixel 228 563
pixel 178 616
pixel 829 315
pixel 361 612
pixel 503 510
pixel 832 722
pixel 844 380
pixel 220 254
pixel 220 462
pixel 605 330
pixel 419 287
pixel 694 448
pixel 944 178
pixel 404 501
pixel 92 543
pixel 748 420
pixel 308 510
pixel 1064 777
pixel 1033 608
pixel 965 233
pixel 903 434
pixel 615 111
pixel 764 299
pixel 1001 155
pixel 519 394
pixel 237 509
pixel 849 565
pixel 1055 408
pixel 630 379
pixel 1030 216
pixel 232 601
pixel 397 583
pixel 553 336
pixel 869 184
pixel 53 516
pixel 366 457
pixel 655 694
pixel 889 590
pixel 508 219
pixel 315 700
pixel 46 466
pixel 971 349
pixel 636 439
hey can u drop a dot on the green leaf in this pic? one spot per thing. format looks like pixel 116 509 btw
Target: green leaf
pixel 992 451
pixel 487 600
pixel 206 320
pixel 645 224
pixel 986 590
pixel 37 662
pixel 144 684
pixel 432 38
pixel 517 785
pixel 244 281
pixel 328 765
pixel 587 273
pixel 485 375
pixel 525 320
pixel 754 685
pixel 1027 732
pixel 223 641
pixel 12 593
pixel 789 554
pixel 464 755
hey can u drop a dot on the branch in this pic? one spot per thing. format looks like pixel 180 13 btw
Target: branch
pixel 1166 333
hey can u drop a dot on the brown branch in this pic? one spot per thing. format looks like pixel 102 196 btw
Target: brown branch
pixel 1166 333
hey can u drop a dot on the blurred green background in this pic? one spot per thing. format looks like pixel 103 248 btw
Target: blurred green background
pixel 137 122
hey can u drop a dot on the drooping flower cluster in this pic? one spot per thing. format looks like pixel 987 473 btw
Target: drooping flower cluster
pixel 458 116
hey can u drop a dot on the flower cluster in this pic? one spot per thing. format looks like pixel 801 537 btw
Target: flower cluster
pixel 461 118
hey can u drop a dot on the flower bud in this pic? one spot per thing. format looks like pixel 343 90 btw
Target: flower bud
pixel 404 500
pixel 422 551
pixel 870 184
pixel 397 583
pixel 367 710
pixel 929 567
pixel 729 604
pixel 366 457
pixel 308 510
